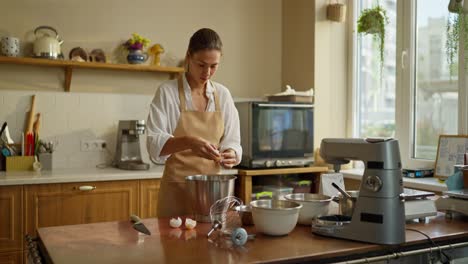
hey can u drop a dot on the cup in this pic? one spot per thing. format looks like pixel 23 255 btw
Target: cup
pixel 9 46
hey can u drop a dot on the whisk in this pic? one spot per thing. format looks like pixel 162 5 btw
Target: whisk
pixel 228 221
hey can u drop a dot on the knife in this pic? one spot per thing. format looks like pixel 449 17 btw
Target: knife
pixel 138 225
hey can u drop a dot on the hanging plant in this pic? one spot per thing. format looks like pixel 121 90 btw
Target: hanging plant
pixel 456 23
pixel 373 21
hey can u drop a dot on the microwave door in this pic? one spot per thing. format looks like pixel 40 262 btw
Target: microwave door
pixel 282 130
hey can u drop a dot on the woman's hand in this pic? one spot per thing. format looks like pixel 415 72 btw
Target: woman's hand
pixel 205 149
pixel 228 158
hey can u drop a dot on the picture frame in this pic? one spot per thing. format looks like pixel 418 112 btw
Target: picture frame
pixel 451 151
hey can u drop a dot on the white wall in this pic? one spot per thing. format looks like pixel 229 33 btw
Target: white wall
pixel 251 63
pixel 315 55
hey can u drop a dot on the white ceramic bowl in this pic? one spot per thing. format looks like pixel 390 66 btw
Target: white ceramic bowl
pixel 313 205
pixel 275 217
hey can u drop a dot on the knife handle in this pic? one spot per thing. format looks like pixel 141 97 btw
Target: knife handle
pixel 135 219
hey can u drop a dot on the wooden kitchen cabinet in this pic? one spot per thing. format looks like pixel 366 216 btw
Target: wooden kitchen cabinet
pixel 244 182
pixel 11 221
pixel 79 203
pixel 11 257
pixel 149 190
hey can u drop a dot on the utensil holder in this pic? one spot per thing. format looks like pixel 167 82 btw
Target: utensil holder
pixel 46 160
pixel 19 163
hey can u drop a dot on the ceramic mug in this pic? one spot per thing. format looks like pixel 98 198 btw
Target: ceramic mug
pixel 9 46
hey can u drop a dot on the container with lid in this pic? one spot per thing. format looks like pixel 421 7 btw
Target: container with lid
pixel 278 191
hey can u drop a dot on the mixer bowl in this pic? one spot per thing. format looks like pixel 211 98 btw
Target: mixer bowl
pixel 205 190
pixel 313 205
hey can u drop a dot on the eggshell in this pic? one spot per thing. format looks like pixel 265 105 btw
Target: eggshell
pixel 175 222
pixel 190 224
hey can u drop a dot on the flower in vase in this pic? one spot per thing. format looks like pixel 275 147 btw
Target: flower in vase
pixel 136 42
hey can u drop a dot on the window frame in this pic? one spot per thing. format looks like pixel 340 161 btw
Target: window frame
pixel 404 81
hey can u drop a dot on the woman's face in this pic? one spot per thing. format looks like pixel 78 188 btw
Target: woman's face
pixel 203 64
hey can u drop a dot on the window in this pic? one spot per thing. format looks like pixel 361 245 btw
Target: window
pixel 375 96
pixel 417 97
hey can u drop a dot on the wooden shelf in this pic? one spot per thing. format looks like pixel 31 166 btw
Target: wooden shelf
pixel 68 66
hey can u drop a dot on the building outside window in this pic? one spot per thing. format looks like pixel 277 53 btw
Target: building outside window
pixel 416 97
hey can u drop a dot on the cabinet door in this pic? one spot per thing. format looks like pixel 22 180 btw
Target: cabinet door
pixel 79 203
pixel 149 190
pixel 11 227
pixel 11 257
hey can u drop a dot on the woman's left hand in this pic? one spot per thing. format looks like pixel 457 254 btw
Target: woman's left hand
pixel 228 158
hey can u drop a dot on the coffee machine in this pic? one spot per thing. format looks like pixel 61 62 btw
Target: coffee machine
pixel 379 213
pixel 128 154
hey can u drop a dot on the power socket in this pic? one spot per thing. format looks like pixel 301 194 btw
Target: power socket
pixel 93 145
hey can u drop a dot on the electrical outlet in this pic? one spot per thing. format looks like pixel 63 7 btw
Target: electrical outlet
pixel 93 145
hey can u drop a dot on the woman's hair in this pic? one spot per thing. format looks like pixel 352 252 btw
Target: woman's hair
pixel 203 39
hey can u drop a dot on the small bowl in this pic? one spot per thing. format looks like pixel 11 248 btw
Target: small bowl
pixel 245 214
pixel 275 217
pixel 313 205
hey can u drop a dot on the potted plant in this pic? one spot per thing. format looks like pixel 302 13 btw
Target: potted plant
pixel 135 46
pixel 456 23
pixel 373 21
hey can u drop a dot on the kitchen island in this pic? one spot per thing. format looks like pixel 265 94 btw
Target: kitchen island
pixel 118 242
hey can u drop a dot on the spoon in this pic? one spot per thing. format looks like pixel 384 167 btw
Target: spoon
pixel 343 192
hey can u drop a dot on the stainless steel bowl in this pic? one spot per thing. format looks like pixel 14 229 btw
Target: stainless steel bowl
pixel 275 217
pixel 205 190
pixel 347 204
pixel 313 205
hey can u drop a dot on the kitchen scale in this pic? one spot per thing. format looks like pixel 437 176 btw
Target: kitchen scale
pixel 453 201
pixel 417 204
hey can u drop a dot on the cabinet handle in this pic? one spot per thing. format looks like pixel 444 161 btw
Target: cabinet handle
pixel 86 188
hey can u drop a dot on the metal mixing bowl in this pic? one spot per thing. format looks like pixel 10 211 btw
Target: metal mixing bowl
pixel 275 217
pixel 347 204
pixel 205 190
pixel 313 205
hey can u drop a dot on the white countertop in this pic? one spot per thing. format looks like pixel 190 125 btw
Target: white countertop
pixel 428 183
pixel 83 175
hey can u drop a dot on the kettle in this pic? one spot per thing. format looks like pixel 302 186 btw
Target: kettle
pixel 45 45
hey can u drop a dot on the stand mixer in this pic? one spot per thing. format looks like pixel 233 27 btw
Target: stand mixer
pixel 379 213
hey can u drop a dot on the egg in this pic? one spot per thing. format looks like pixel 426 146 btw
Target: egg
pixel 190 224
pixel 175 223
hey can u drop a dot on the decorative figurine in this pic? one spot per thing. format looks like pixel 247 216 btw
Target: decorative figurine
pixel 156 50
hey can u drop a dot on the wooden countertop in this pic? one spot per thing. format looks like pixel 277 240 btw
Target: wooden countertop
pixel 118 242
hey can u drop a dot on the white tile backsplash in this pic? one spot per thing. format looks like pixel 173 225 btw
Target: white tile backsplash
pixel 70 118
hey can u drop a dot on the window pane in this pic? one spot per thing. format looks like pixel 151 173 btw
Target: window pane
pixel 436 89
pixel 376 91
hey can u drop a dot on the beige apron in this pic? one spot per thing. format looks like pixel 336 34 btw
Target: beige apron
pixel 173 198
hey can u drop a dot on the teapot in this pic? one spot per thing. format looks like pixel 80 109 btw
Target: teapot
pixel 47 46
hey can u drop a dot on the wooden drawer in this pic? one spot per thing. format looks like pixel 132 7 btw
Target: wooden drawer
pixel 11 227
pixel 11 257
pixel 79 203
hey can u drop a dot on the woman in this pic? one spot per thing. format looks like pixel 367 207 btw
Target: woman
pixel 193 124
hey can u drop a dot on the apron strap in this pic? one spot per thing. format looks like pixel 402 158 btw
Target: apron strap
pixel 180 84
pixel 215 97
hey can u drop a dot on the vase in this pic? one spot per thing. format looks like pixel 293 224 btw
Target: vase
pixel 136 57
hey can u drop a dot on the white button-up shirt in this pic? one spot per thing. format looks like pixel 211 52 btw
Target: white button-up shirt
pixel 164 115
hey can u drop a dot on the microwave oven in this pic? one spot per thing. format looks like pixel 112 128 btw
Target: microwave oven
pixel 275 134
